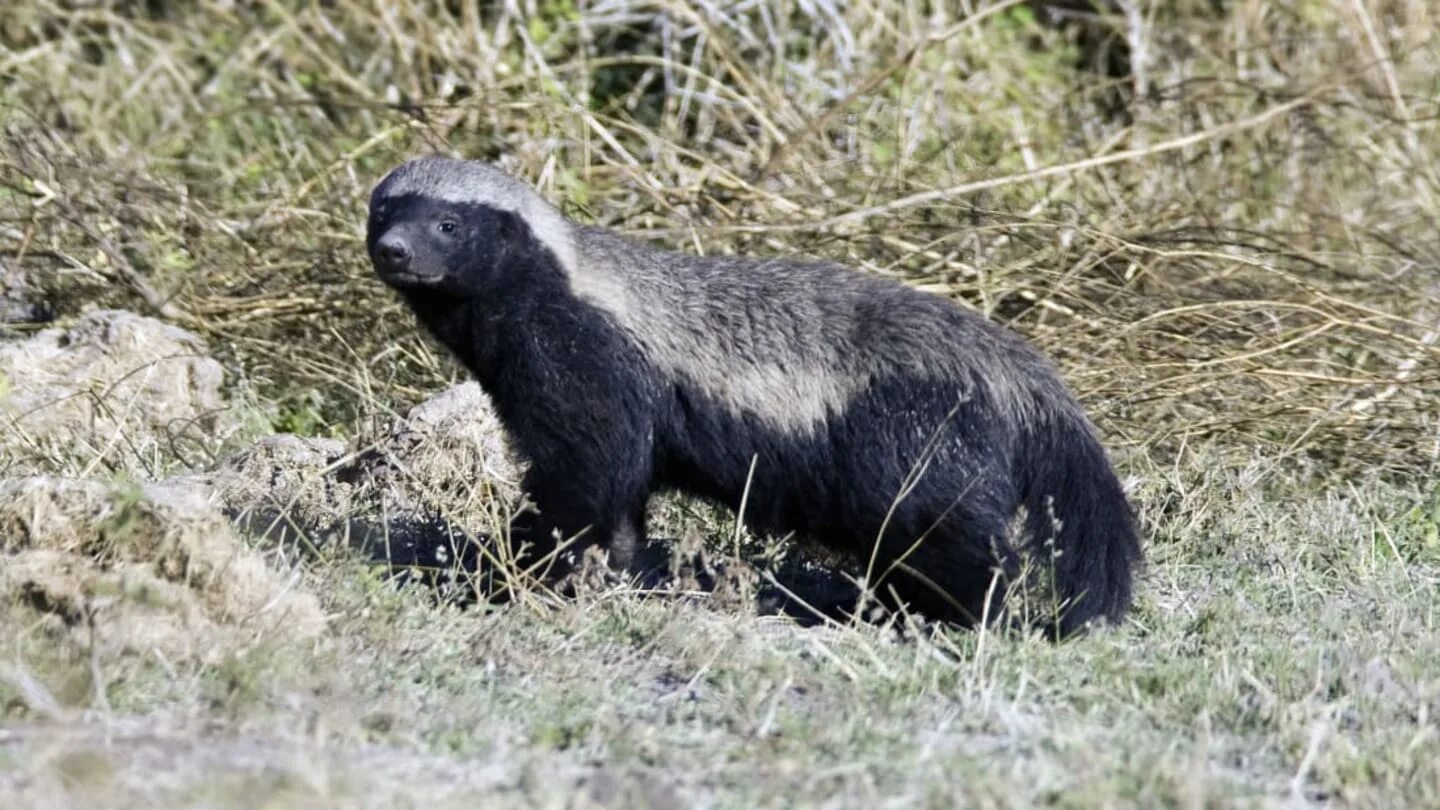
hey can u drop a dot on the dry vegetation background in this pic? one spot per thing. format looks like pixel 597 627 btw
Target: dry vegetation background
pixel 1222 218
pixel 1232 241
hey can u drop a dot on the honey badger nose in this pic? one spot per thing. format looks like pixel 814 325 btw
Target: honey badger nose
pixel 393 251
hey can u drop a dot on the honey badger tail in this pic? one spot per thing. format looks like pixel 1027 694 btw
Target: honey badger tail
pixel 1078 527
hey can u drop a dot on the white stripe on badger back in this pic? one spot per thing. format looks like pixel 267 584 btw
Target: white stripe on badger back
pixel 473 182
pixel 791 342
pixel 751 337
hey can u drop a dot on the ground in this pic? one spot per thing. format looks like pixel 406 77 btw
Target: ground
pixel 1219 219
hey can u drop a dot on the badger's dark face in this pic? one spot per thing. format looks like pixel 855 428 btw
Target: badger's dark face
pixel 421 243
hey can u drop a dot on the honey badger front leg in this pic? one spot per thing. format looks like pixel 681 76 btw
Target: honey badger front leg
pixel 589 485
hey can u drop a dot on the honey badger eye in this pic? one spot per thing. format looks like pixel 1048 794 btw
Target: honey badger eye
pixel 446 226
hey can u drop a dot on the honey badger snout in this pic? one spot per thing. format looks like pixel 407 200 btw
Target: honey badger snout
pixel 392 253
pixel 403 259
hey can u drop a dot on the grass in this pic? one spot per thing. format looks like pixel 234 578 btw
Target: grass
pixel 1297 667
pixel 1228 242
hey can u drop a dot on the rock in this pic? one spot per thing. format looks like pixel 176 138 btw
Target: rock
pixel 424 498
pixel 445 463
pixel 448 455
pixel 153 568
pixel 299 493
pixel 284 486
pixel 113 386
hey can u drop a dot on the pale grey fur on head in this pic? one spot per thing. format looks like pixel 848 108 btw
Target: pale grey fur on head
pixel 790 342
pixel 471 181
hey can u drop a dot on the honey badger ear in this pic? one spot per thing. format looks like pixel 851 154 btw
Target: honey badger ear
pixel 510 227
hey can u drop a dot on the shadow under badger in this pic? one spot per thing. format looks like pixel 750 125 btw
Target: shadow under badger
pixel 937 447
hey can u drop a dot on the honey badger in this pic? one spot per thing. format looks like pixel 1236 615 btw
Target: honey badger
pixel 872 417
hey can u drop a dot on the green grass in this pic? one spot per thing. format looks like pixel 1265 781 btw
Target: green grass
pixel 1231 252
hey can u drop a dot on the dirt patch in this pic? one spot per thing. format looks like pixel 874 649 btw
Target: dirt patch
pixel 152 762
pixel 149 568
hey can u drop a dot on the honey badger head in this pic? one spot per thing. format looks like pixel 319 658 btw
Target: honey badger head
pixel 454 227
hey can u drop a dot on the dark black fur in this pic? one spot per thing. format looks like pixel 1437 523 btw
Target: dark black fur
pixel 603 426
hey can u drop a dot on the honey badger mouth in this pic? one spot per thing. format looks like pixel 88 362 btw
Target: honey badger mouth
pixel 406 278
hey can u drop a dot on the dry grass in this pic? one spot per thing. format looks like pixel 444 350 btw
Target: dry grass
pixel 1230 245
